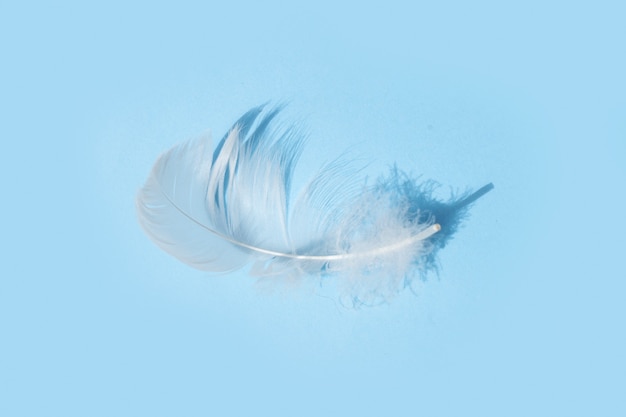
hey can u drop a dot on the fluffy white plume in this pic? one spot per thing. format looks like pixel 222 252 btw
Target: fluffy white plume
pixel 221 209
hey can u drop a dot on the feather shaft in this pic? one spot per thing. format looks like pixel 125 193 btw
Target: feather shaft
pixel 424 234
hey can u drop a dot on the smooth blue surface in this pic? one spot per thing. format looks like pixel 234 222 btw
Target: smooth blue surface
pixel 527 317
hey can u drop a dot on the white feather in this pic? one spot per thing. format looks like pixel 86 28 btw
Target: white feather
pixel 219 210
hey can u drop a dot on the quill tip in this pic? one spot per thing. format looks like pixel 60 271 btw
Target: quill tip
pixel 428 232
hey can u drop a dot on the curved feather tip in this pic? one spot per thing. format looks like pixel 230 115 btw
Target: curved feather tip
pixel 219 209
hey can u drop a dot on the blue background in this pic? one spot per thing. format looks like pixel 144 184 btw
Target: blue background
pixel 527 316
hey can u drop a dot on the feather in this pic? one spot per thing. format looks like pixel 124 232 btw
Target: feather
pixel 222 209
